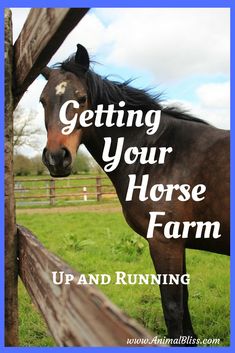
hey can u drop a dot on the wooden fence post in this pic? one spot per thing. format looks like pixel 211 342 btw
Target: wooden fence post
pixel 11 268
pixel 98 188
pixel 36 44
pixel 52 192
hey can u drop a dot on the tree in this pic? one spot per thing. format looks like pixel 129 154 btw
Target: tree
pixel 38 168
pixel 22 165
pixel 26 132
pixel 82 163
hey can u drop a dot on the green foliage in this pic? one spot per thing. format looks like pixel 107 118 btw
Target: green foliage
pixel 38 168
pixel 129 246
pixel 72 242
pixel 81 163
pixel 22 165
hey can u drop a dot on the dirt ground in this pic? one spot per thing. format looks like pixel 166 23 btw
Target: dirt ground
pixel 72 209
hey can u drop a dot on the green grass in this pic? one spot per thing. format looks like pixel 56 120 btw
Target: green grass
pixel 33 331
pixel 103 243
pixel 61 204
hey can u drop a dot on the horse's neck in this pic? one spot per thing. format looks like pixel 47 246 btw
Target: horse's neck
pixel 95 142
pixel 133 137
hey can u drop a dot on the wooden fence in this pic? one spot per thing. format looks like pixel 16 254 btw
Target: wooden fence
pixel 75 315
pixel 49 190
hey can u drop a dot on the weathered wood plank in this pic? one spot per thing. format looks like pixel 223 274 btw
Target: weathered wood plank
pixel 11 273
pixel 76 315
pixel 44 31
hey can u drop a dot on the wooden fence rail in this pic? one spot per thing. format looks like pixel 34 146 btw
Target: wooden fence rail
pixel 44 31
pixel 83 188
pixel 76 315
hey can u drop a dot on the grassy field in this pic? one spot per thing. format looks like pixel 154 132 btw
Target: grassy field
pixel 103 243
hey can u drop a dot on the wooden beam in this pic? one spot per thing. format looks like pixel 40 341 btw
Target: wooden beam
pixel 44 31
pixel 11 273
pixel 76 315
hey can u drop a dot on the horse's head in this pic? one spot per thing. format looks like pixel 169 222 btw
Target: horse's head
pixel 62 86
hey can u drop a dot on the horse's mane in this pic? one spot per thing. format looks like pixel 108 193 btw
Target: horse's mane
pixel 103 90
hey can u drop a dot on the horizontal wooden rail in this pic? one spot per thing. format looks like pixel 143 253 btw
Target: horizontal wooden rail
pixel 54 190
pixel 58 196
pixel 90 186
pixel 78 177
pixel 76 315
pixel 57 187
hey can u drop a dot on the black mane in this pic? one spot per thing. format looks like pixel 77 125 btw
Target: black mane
pixel 103 90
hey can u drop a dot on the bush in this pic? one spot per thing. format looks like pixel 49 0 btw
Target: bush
pixel 81 163
pixel 38 168
pixel 22 165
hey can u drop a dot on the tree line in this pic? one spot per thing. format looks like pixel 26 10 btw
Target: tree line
pixel 24 166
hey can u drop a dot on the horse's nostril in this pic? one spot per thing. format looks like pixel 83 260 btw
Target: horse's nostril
pixel 48 158
pixel 67 158
pixel 61 158
pixel 63 153
pixel 51 159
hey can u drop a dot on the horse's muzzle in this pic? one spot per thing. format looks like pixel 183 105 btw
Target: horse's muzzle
pixel 59 163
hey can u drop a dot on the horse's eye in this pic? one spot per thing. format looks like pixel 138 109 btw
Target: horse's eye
pixel 81 100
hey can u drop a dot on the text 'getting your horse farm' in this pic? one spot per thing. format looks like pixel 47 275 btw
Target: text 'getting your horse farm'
pixel 144 155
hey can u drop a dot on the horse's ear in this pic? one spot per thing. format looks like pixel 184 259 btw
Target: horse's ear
pixel 46 71
pixel 82 57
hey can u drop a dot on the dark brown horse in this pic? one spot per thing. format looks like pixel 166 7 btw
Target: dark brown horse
pixel 200 156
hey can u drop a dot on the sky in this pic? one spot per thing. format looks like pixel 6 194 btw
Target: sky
pixel 183 53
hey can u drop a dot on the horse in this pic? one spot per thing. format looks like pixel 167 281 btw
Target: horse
pixel 200 156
